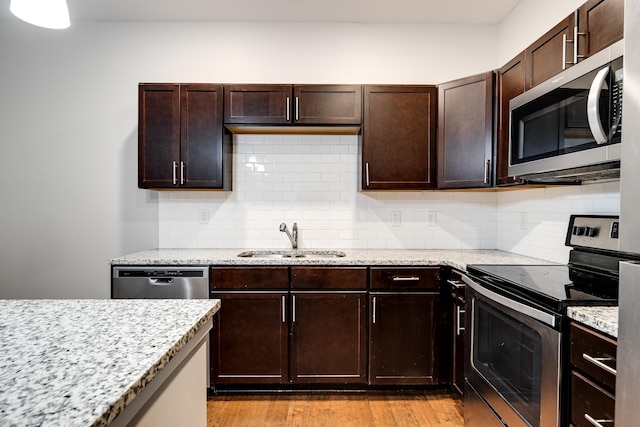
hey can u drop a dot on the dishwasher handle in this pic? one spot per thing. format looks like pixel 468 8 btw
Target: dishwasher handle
pixel 161 281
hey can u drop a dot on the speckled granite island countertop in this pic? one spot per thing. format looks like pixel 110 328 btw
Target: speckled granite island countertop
pixel 81 362
pixel 454 258
pixel 603 319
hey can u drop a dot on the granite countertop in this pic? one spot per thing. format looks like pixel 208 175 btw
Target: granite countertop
pixel 603 319
pixel 454 258
pixel 80 362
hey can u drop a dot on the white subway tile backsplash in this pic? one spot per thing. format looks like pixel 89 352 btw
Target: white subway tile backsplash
pixel 313 180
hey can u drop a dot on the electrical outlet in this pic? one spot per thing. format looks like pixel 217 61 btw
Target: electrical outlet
pixel 396 218
pixel 431 219
pixel 523 220
pixel 204 216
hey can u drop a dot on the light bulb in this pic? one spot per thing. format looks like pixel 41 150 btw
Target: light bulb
pixel 52 14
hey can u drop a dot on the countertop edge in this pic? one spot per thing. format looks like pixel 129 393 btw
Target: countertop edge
pixel 602 319
pixel 117 407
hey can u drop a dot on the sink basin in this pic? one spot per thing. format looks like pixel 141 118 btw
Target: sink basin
pixel 279 254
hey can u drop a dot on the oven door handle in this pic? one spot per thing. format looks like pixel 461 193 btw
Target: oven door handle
pixel 546 318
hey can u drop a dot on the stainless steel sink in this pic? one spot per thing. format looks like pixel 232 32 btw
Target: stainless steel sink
pixel 279 254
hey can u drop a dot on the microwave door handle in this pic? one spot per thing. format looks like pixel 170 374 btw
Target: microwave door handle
pixel 593 106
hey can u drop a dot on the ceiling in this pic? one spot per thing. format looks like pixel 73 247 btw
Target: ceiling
pixel 363 11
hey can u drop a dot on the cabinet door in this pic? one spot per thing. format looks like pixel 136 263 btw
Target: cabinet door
pixel 602 23
pixel 249 342
pixel 465 132
pixel 328 338
pixel 201 147
pixel 257 104
pixel 403 338
pixel 511 83
pixel 327 104
pixel 158 135
pixel 398 137
pixel 551 53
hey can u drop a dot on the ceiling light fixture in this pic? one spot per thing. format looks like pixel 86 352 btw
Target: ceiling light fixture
pixel 52 14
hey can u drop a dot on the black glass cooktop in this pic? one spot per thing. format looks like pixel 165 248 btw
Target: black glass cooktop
pixel 550 286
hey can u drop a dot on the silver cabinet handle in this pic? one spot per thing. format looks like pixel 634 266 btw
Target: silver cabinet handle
pixel 598 362
pixel 181 172
pixel 293 306
pixel 487 170
pixel 406 279
pixel 287 106
pixel 564 52
pixel 575 45
pixel 593 106
pixel 373 310
pixel 174 173
pixel 456 285
pixel 596 423
pixel 459 328
pixel 284 309
pixel 366 172
pixel 297 108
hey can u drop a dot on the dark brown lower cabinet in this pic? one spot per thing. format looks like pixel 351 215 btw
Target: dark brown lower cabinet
pixel 249 342
pixel 403 338
pixel 328 337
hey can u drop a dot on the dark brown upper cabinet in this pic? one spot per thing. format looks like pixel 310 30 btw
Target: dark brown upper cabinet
pixel 327 104
pixel 511 83
pixel 181 140
pixel 466 132
pixel 257 104
pixel 600 24
pixel 551 54
pixel 313 105
pixel 398 137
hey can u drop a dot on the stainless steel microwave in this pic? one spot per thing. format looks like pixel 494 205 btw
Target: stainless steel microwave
pixel 568 128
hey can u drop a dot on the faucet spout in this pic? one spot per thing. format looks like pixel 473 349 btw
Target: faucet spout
pixel 294 238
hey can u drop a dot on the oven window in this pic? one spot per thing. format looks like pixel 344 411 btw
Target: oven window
pixel 508 354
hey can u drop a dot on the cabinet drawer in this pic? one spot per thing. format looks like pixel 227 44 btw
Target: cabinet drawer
pixel 329 278
pixel 590 401
pixel 591 350
pixel 249 278
pixel 407 278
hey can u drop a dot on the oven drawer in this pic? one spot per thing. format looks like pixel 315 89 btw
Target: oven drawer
pixel 594 354
pixel 590 403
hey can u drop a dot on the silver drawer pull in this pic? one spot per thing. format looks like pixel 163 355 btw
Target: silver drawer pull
pixel 597 423
pixel 459 328
pixel 598 362
pixel 456 285
pixel 406 279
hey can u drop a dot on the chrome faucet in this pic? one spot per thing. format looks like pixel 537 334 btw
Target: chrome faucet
pixel 294 238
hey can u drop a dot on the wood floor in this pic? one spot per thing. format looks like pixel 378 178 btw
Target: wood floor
pixel 349 409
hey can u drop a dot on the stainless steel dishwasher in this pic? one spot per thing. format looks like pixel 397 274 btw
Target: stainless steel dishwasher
pixel 169 282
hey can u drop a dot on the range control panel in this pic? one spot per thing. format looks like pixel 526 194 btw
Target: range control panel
pixel 593 231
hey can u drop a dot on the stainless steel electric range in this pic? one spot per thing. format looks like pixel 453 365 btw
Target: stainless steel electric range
pixel 516 324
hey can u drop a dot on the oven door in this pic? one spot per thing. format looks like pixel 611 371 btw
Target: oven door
pixel 513 359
